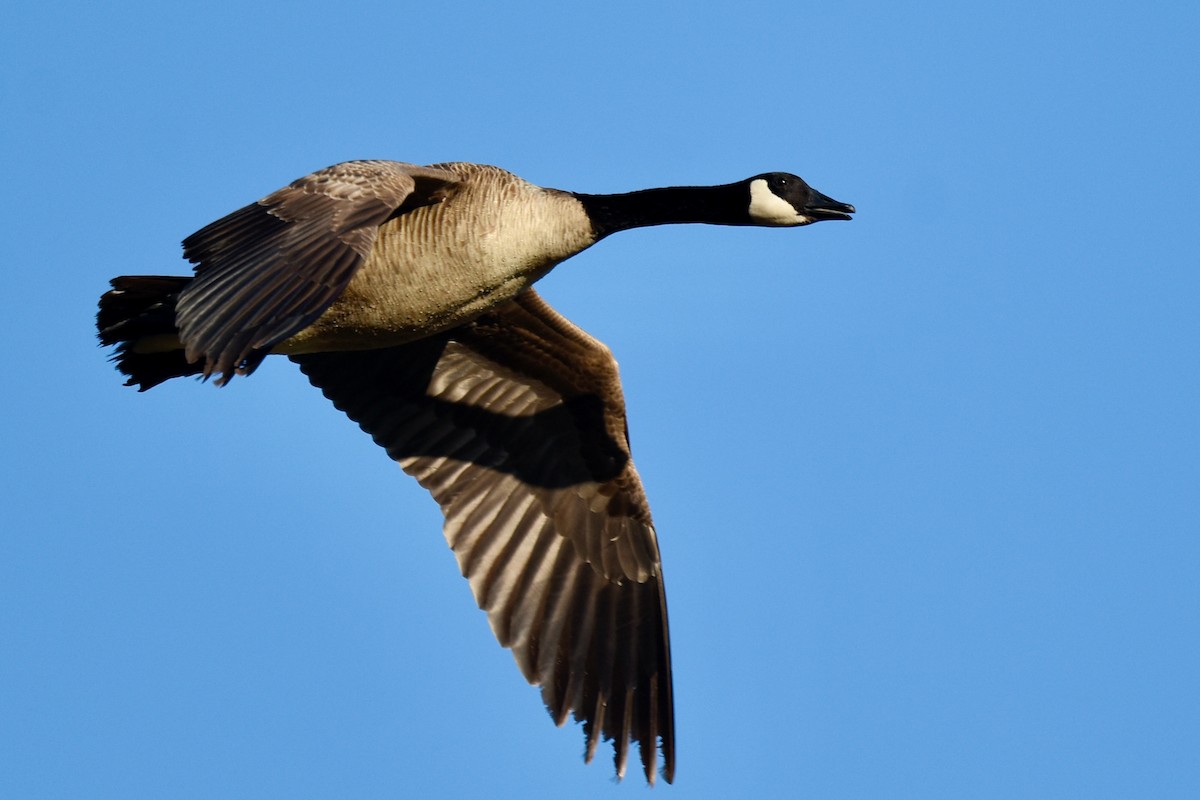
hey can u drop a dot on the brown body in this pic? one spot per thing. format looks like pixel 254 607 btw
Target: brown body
pixel 443 264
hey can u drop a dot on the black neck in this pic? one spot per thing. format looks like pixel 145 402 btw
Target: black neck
pixel 716 205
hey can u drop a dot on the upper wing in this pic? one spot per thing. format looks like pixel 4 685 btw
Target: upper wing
pixel 516 424
pixel 270 269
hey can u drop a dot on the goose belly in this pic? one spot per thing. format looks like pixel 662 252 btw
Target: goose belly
pixel 438 266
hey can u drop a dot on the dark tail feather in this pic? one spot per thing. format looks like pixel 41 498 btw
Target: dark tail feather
pixel 137 308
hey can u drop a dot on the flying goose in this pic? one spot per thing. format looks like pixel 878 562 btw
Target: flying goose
pixel 405 294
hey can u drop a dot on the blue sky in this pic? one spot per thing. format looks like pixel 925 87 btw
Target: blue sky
pixel 926 483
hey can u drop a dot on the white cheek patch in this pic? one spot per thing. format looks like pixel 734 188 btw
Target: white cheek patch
pixel 768 208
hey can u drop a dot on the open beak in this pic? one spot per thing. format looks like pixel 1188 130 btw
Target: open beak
pixel 820 207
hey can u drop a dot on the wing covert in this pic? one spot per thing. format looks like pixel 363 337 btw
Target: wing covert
pixel 271 268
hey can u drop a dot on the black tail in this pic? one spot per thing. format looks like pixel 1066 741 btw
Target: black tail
pixel 138 316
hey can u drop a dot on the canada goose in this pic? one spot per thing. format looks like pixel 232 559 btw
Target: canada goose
pixel 404 294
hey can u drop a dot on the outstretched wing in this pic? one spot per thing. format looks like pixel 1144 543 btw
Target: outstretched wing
pixel 270 269
pixel 516 424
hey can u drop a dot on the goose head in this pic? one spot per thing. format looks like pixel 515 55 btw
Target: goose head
pixel 780 199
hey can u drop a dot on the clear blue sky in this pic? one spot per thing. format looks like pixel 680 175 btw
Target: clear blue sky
pixel 926 483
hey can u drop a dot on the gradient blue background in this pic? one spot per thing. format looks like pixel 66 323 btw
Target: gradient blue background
pixel 926 483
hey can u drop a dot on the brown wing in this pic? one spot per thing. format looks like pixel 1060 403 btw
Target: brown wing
pixel 270 269
pixel 516 424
